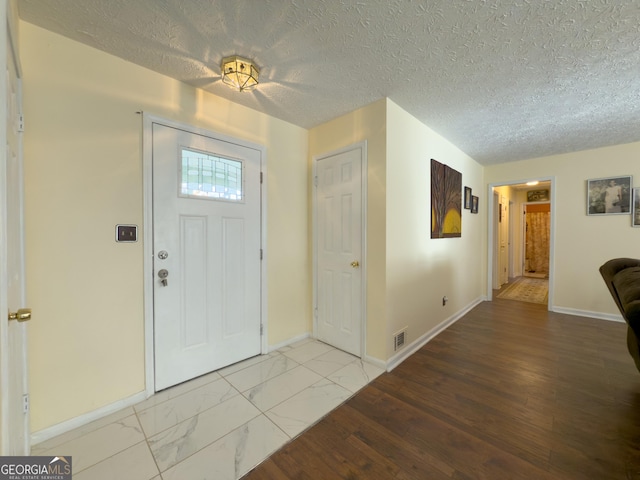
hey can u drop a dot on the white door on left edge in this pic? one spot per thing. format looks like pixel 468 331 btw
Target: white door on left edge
pixel 14 416
pixel 206 247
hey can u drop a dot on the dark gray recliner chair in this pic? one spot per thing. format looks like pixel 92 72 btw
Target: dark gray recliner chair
pixel 622 276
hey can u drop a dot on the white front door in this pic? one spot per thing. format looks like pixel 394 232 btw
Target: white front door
pixel 14 421
pixel 206 250
pixel 339 235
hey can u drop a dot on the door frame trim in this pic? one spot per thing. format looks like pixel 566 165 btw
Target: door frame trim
pixel 147 231
pixel 362 146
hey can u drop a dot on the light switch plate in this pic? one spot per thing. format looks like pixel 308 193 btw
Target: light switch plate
pixel 126 233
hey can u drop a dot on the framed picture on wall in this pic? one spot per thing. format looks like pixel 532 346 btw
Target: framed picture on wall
pixel 474 204
pixel 609 196
pixel 635 210
pixel 467 198
pixel 538 195
pixel 446 201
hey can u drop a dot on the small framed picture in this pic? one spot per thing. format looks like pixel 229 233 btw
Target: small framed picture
pixel 467 198
pixel 537 195
pixel 609 196
pixel 474 204
pixel 635 211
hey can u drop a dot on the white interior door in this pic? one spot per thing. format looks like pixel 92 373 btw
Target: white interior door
pixel 504 241
pixel 207 254
pixel 14 421
pixel 339 230
pixel 496 242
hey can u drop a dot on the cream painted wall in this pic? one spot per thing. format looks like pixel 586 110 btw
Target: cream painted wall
pixel 421 270
pixel 367 123
pixel 83 170
pixel 582 242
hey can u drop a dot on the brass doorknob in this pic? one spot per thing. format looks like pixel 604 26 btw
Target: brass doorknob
pixel 355 264
pixel 21 315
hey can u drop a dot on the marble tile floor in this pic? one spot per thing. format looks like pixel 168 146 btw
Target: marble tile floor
pixel 218 426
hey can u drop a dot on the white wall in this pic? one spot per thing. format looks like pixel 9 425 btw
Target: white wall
pixel 582 242
pixel 83 172
pixel 421 270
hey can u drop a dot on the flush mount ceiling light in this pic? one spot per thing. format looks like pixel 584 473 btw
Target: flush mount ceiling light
pixel 239 73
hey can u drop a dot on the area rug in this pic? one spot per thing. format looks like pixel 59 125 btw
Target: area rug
pixel 527 289
pixel 535 275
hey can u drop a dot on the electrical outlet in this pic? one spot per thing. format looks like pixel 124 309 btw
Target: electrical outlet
pixel 444 300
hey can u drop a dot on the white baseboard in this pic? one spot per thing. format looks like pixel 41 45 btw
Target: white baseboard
pixel 611 317
pixel 76 422
pixel 286 343
pixel 375 361
pixel 416 345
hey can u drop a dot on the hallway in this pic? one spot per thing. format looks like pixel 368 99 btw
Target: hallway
pixel 525 289
pixel 219 425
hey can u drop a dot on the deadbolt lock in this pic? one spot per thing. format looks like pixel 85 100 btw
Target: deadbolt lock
pixel 163 274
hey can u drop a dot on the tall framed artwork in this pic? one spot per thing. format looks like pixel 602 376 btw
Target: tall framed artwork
pixel 468 194
pixel 635 208
pixel 474 205
pixel 446 201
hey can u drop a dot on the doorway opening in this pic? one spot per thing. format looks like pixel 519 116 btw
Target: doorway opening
pixel 521 240
pixel 537 226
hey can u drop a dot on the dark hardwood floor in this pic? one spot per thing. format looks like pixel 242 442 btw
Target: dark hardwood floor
pixel 511 391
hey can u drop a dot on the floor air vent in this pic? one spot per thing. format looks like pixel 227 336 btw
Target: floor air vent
pixel 399 339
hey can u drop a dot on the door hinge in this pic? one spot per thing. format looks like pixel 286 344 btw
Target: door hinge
pixel 261 177
pixel 25 403
pixel 261 254
pixel 20 122
pixel 261 329
pixel 315 180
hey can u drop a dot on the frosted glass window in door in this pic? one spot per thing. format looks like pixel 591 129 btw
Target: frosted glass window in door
pixel 205 175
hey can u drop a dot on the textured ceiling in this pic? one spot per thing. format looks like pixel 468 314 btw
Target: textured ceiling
pixel 502 79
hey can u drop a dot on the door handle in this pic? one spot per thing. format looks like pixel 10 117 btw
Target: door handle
pixel 355 264
pixel 22 315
